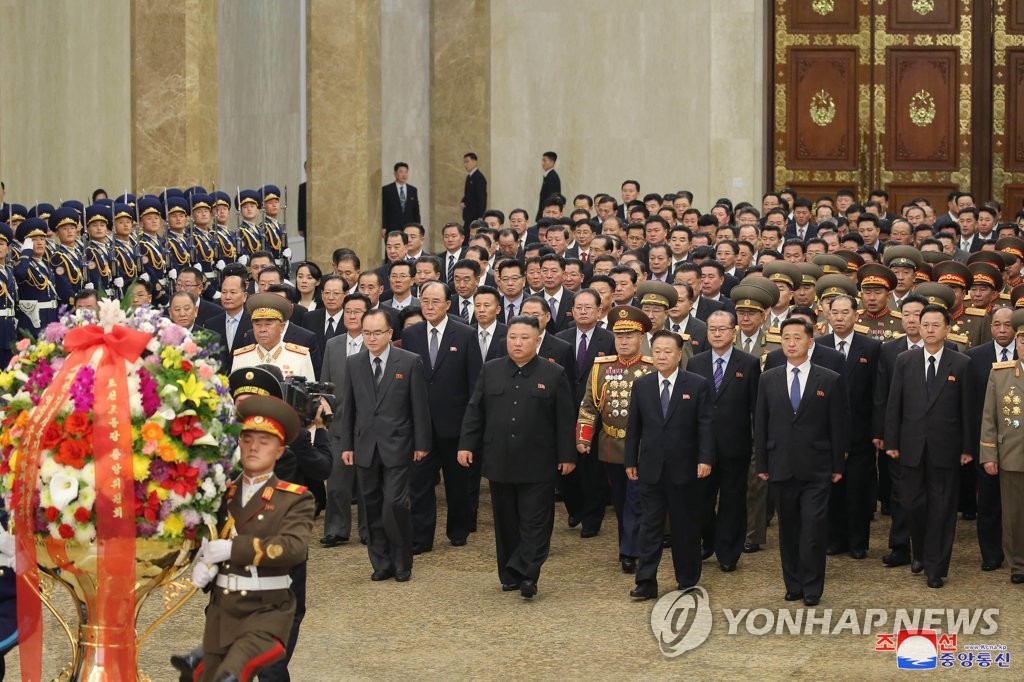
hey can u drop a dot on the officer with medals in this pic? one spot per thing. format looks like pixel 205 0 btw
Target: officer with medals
pixel 269 313
pixel 804 294
pixel 275 238
pixel 179 249
pixel 854 262
pixel 37 297
pixel 68 269
pixel 832 266
pixel 227 252
pixel 204 245
pixel 1002 447
pixel 99 267
pixel 755 296
pixel 1014 247
pixel 603 414
pixel 876 281
pixel 987 272
pixel 786 277
pixel 249 237
pixel 904 262
pixel 656 298
pixel 970 325
pixel 8 299
pixel 152 252
pixel 267 524
pixel 125 258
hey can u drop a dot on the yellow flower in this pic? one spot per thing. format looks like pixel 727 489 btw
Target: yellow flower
pixel 192 390
pixel 160 491
pixel 6 380
pixel 174 525
pixel 171 357
pixel 140 467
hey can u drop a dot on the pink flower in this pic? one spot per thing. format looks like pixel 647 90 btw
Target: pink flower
pixel 190 348
pixel 23 344
pixel 205 372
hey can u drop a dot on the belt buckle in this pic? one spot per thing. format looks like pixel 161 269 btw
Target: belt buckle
pixel 232 581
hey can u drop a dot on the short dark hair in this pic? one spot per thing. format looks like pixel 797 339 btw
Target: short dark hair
pixel 914 298
pixel 798 322
pixel 666 334
pixel 357 297
pixel 432 261
pixel 401 235
pixel 932 308
pixel 470 155
pixel 402 263
pixel 467 264
pixel 290 292
pixel 551 155
pixel 401 164
pixel 384 316
pixel 528 320
pixel 419 228
pixel 487 291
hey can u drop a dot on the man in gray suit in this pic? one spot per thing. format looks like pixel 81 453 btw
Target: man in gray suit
pixel 385 428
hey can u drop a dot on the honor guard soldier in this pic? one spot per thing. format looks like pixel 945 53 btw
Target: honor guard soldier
pixel 904 262
pixel 179 250
pixel 275 236
pixel 603 414
pixel 37 298
pixel 267 524
pixel 787 278
pixel 99 267
pixel 249 236
pixel 753 298
pixel 125 257
pixel 65 262
pixel 204 244
pixel 13 215
pixel 969 323
pixel 44 211
pixel 1002 447
pixel 269 312
pixel 227 252
pixel 827 288
pixel 8 299
pixel 876 281
pixel 152 252
pixel 1014 246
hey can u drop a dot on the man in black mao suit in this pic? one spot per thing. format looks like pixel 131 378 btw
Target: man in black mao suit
pixel 670 444
pixel 474 196
pixel 551 184
pixel 734 399
pixel 852 502
pixel 385 428
pixel 799 444
pixel 520 423
pixel 451 365
pixel 396 212
pixel 927 431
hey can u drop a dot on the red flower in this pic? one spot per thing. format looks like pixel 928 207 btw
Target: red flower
pixel 148 508
pixel 66 531
pixel 83 515
pixel 186 428
pixel 53 434
pixel 181 478
pixel 52 514
pixel 72 453
pixel 186 365
pixel 77 423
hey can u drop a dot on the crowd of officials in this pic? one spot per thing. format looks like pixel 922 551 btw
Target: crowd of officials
pixel 827 361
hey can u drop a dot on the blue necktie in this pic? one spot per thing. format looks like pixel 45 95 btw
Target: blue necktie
pixel 664 397
pixel 1005 355
pixel 794 390
pixel 719 373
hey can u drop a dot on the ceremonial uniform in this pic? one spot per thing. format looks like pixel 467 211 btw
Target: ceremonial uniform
pixel 275 237
pixel 884 324
pixel 292 359
pixel 758 346
pixel 37 298
pixel 98 266
pixel 126 266
pixel 971 327
pixel 179 253
pixel 250 240
pixel 68 271
pixel 153 262
pixel 8 304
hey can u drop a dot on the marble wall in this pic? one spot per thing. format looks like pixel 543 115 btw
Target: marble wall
pixel 65 109
pixel 667 92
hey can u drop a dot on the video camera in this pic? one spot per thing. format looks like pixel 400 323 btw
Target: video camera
pixel 304 397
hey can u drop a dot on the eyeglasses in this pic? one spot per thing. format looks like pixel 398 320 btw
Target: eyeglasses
pixel 584 308
pixel 375 334
pixel 719 330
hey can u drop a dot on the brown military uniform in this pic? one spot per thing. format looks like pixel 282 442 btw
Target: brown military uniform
pixel 883 326
pixel 246 629
pixel 1002 441
pixel 763 344
pixel 605 408
pixel 971 326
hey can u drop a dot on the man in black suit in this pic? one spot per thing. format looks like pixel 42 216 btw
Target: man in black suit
pixel 669 446
pixel 822 356
pixel 451 359
pixel 801 226
pixel 800 440
pixel 326 321
pixel 551 184
pixel 852 502
pixel 385 428
pixel 585 491
pixel 519 424
pixel 927 430
pixel 1001 349
pixel 552 348
pixel 400 202
pixel 190 280
pixel 474 196
pixel 733 376
pixel 234 322
pixel 490 333
pixel 559 299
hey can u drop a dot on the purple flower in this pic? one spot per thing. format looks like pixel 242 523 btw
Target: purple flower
pixel 149 392
pixel 201 466
pixel 191 518
pixel 144 528
pixel 39 380
pixel 172 335
pixel 158 470
pixel 55 332
pixel 165 509
pixel 82 389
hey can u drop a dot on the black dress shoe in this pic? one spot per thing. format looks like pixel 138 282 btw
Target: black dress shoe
pixel 794 596
pixel 628 564
pixel 1017 578
pixel 402 576
pixel 858 553
pixel 186 664
pixel 416 551
pixel 970 516
pixel 833 550
pixel 228 677
pixel 458 542
pixel 935 583
pixel 382 574
pixel 573 521
pixel 472 527
pixel 707 554
pixel 893 559
pixel 644 591
pixel 728 568
pixel 811 600
pixel 916 566
pixel 666 542
pixel 362 541
pixel 528 589
pixel 588 533
pixel 332 540
pixel 751 547
pixel 991 565
pixel 509 587
pixel 886 509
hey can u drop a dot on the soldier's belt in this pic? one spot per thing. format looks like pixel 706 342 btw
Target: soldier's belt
pixel 614 432
pixel 7 312
pixel 211 275
pixel 45 305
pixel 241 582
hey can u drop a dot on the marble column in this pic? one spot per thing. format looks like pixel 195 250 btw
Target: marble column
pixel 343 125
pixel 174 94
pixel 460 100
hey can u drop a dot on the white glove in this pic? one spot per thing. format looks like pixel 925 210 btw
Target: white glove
pixel 7 551
pixel 144 277
pixel 216 551
pixel 216 295
pixel 119 282
pixel 89 286
pixel 173 274
pixel 287 253
pixel 221 264
pixel 243 259
pixel 203 573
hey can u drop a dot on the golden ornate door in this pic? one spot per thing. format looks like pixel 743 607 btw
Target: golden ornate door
pixel 1008 106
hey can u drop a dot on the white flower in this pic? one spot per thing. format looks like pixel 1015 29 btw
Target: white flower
pixel 85 534
pixel 63 489
pixel 153 346
pixel 48 468
pixel 218 475
pixel 205 439
pixel 165 414
pixel 209 489
pixel 111 314
pixel 87 474
pixel 87 497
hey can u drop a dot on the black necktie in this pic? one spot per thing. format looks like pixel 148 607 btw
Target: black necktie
pixel 330 328
pixel 378 371
pixel 931 374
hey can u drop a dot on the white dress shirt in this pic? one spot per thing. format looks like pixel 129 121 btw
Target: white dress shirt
pixel 353 344
pixel 938 361
pixel 848 340
pixel 805 370
pixel 671 379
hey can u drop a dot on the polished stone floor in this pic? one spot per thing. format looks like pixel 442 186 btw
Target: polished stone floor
pixel 451 621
